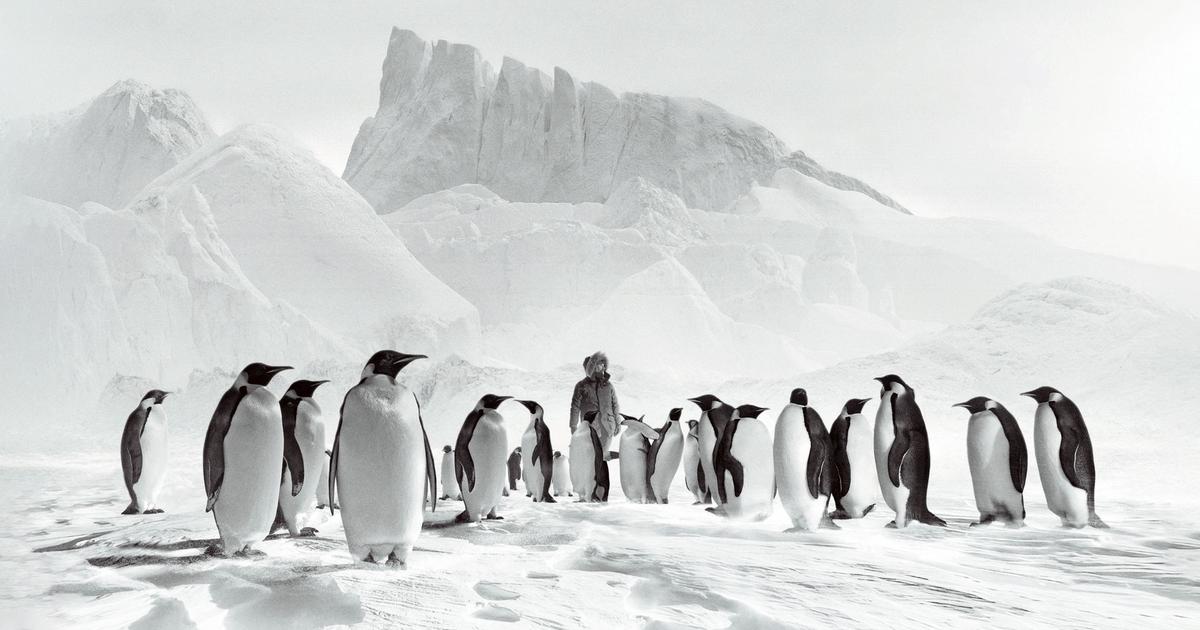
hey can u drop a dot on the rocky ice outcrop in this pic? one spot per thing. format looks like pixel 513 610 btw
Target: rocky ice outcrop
pixel 446 118
pixel 831 275
pixel 104 151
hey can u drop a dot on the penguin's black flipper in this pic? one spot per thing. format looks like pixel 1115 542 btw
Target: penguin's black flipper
pixel 724 461
pixel 700 479
pixel 838 438
pixel 333 455
pixel 543 456
pixel 820 452
pixel 214 443
pixel 900 448
pixel 293 458
pixel 602 481
pixel 430 465
pixel 1018 453
pixel 464 466
pixel 131 451
pixel 914 474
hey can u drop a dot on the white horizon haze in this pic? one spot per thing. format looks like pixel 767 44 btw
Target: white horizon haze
pixel 1074 120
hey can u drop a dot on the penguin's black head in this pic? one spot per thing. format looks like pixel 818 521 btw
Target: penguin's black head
pixel 389 362
pixel 1042 394
pixel 261 373
pixel 892 382
pixel 749 411
pixel 590 416
pixel 799 397
pixel 706 402
pixel 446 449
pixel 557 454
pixel 517 450
pixel 491 401
pixel 305 389
pixel 155 396
pixel 675 414
pixel 855 405
pixel 531 405
pixel 692 424
pixel 975 405
pixel 625 418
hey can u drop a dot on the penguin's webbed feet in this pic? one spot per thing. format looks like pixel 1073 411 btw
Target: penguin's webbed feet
pixel 840 515
pixel 132 509
pixel 892 525
pixel 307 532
pixel 153 511
pixel 462 517
pixel 395 563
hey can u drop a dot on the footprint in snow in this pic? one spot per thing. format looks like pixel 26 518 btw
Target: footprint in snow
pixel 496 613
pixel 488 590
pixel 541 575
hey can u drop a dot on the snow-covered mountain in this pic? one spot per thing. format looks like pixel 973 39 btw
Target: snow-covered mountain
pixel 446 118
pixel 103 151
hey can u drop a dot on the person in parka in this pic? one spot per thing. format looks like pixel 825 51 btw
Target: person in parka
pixel 596 392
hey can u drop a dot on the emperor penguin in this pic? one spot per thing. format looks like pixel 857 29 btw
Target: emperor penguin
pixel 562 475
pixel 714 415
pixel 449 483
pixel 744 466
pixel 382 469
pixel 479 460
pixel 303 454
pixel 665 453
pixel 513 463
pixel 1065 460
pixel 144 453
pixel 589 466
pixel 693 471
pixel 634 449
pixel 243 449
pixel 323 484
pixel 902 453
pixel 855 490
pixel 998 459
pixel 803 463
pixel 537 457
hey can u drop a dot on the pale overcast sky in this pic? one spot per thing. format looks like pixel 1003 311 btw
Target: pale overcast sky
pixel 1080 120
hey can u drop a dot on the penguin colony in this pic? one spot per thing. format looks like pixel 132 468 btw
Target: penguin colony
pixel 266 466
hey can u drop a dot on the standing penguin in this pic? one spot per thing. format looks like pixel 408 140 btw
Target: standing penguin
pixel 635 447
pixel 745 466
pixel 536 457
pixel 803 463
pixel 663 460
pixel 449 483
pixel 854 489
pixel 479 462
pixel 714 415
pixel 323 484
pixel 144 453
pixel 589 466
pixel 998 459
pixel 1064 456
pixel 382 468
pixel 514 469
pixel 303 454
pixel 902 453
pixel 562 475
pixel 693 470
pixel 242 451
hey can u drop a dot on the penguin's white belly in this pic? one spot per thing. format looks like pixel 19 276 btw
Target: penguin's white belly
pixel 792 448
pixel 667 463
pixel 310 435
pixel 864 489
pixel 154 460
pixel 449 483
pixel 708 441
pixel 691 461
pixel 896 497
pixel 530 472
pixel 1063 499
pixel 562 477
pixel 583 465
pixel 488 448
pixel 633 466
pixel 249 493
pixel 752 447
pixel 381 471
pixel 991 477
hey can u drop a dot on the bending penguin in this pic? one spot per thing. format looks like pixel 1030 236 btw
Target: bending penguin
pixel 242 451
pixel 449 483
pixel 902 454
pixel 998 459
pixel 745 467
pixel 663 460
pixel 1065 460
pixel 714 415
pixel 303 455
pixel 536 455
pixel 479 462
pixel 803 464
pixel 693 470
pixel 589 467
pixel 635 449
pixel 382 469
pixel 144 453
pixel 854 488
pixel 562 475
